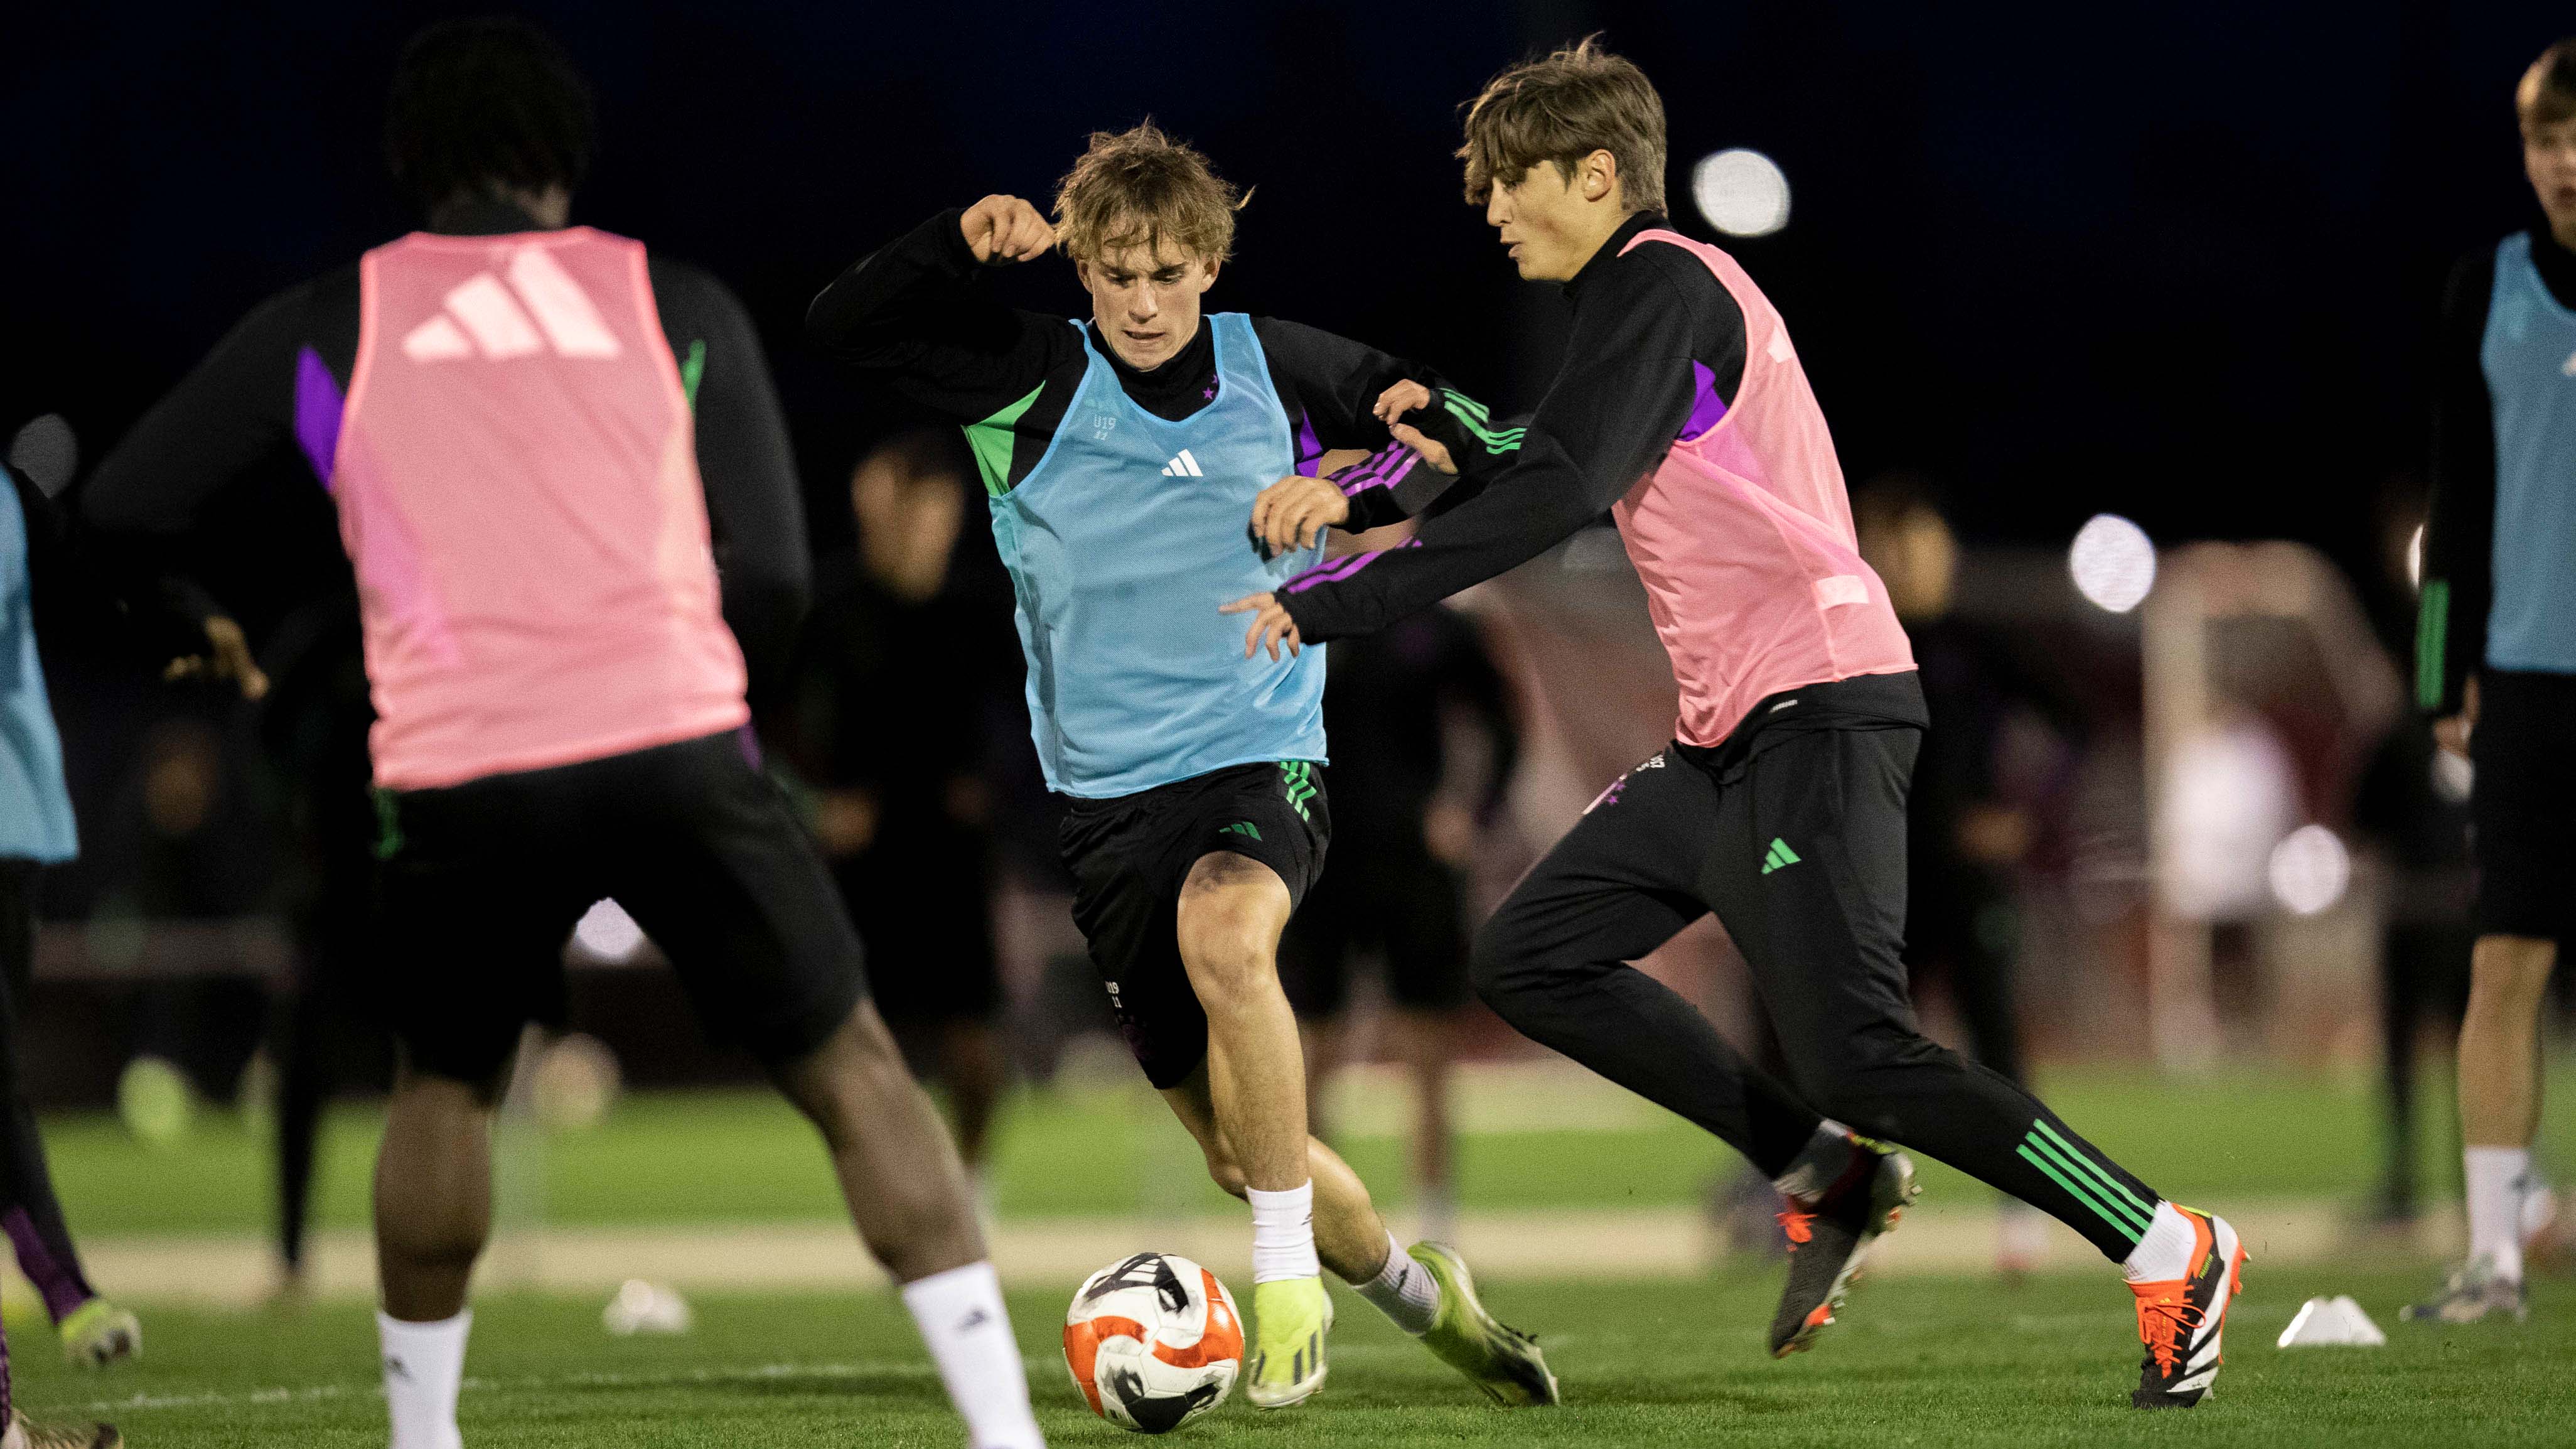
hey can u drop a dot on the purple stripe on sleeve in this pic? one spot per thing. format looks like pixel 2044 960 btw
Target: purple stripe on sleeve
pixel 1310 448
pixel 317 414
pixel 1707 408
pixel 60 1282
pixel 1340 569
pixel 1384 470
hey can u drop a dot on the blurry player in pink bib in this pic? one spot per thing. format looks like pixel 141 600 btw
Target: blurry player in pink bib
pixel 541 441
pixel 1681 410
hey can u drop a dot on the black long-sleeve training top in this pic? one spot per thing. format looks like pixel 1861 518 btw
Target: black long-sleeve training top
pixel 1622 395
pixel 916 313
pixel 249 400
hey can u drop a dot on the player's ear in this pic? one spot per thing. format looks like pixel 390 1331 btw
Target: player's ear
pixel 1207 273
pixel 1600 177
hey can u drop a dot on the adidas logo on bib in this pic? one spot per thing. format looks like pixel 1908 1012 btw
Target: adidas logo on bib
pixel 483 316
pixel 1183 466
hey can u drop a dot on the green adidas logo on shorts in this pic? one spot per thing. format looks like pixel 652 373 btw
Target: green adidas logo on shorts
pixel 1242 827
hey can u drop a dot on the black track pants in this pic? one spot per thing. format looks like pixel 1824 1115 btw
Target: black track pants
pixel 1799 848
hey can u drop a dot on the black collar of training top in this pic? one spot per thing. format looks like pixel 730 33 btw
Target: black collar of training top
pixel 1189 376
pixel 480 216
pixel 1609 252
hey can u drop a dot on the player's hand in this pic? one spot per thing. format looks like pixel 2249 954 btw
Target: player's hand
pixel 1294 512
pixel 2453 733
pixel 1271 626
pixel 227 657
pixel 1001 230
pixel 1393 404
pixel 1404 397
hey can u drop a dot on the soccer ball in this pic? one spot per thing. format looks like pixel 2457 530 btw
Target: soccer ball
pixel 1153 1342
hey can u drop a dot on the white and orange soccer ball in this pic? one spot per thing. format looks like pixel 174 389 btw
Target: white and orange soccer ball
pixel 1153 1342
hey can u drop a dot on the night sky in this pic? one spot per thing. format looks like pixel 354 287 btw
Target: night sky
pixel 2177 261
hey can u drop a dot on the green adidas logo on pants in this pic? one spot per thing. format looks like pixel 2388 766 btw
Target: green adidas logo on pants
pixel 1779 855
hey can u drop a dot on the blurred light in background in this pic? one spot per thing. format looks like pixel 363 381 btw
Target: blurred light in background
pixel 1742 193
pixel 2310 869
pixel 2415 558
pixel 2113 561
pixel 607 932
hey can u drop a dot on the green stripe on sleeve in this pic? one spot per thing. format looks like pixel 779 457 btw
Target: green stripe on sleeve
pixel 1471 416
pixel 692 370
pixel 2432 637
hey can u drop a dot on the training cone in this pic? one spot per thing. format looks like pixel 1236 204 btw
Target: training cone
pixel 2335 1322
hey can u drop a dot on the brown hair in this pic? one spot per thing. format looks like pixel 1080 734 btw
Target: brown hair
pixel 2547 92
pixel 1139 186
pixel 1563 108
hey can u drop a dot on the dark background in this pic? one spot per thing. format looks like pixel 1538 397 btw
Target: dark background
pixel 2177 261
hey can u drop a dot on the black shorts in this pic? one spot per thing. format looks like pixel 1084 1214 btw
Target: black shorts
pixel 1129 856
pixel 1392 899
pixel 481 883
pixel 2522 808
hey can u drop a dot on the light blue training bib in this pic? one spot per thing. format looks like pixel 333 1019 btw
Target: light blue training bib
pixel 1121 544
pixel 35 810
pixel 2529 357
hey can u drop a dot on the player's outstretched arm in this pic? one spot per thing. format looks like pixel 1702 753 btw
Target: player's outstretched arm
pixel 914 312
pixel 1620 399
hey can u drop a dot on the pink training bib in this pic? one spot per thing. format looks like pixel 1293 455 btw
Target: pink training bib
pixel 1743 536
pixel 517 483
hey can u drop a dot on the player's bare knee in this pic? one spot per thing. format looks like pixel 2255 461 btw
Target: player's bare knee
pixel 1230 919
pixel 2510 972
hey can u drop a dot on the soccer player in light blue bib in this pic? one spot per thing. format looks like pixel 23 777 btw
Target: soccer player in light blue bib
pixel 1121 457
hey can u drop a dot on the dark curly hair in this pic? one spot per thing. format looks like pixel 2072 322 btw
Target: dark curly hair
pixel 486 103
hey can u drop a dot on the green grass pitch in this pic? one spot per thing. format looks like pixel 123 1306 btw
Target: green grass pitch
pixel 1916 1361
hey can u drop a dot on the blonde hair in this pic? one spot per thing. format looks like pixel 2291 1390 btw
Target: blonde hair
pixel 2546 95
pixel 1139 186
pixel 1563 108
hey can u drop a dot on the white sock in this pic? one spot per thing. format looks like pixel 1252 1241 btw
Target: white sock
pixel 962 1319
pixel 2164 1252
pixel 1283 1234
pixel 1403 1290
pixel 424 1366
pixel 2498 1177
pixel 1819 1165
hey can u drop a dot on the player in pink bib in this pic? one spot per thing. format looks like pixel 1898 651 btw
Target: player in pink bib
pixel 1681 409
pixel 548 442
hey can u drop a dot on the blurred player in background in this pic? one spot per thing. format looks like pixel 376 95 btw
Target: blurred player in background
pixel 2496 663
pixel 1682 408
pixel 1119 458
pixel 887 722
pixel 1403 840
pixel 1963 835
pixel 36 830
pixel 555 457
